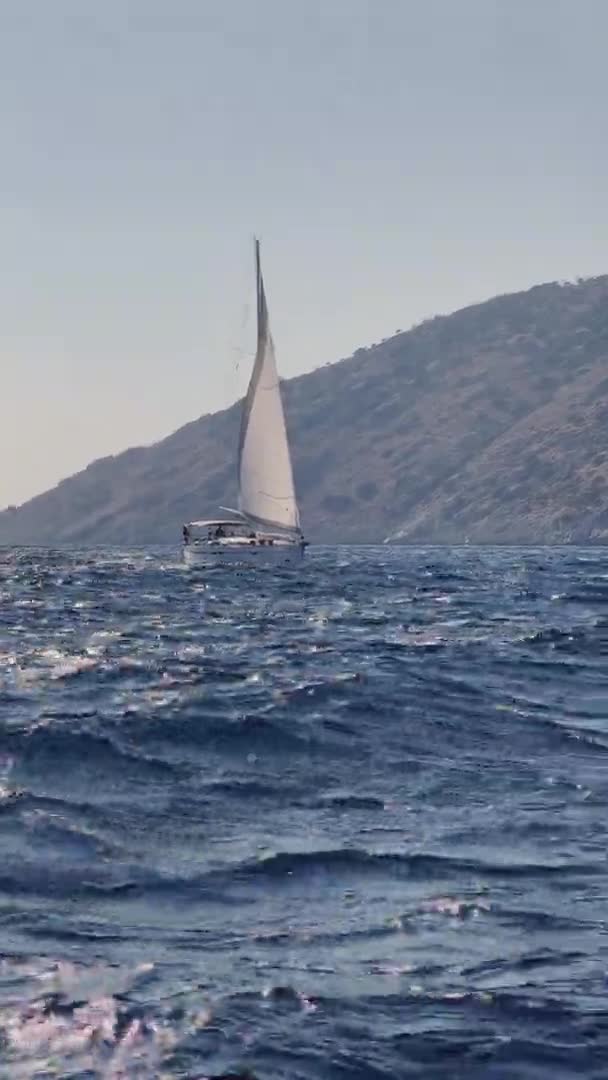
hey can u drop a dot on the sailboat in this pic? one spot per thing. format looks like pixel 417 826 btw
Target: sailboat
pixel 265 529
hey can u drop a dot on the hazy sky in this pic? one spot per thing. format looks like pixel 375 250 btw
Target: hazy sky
pixel 399 158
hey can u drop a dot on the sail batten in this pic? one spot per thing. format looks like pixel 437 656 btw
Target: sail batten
pixel 266 488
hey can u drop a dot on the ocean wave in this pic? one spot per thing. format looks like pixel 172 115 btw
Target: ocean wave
pixel 348 823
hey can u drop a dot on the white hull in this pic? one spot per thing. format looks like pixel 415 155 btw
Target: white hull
pixel 211 556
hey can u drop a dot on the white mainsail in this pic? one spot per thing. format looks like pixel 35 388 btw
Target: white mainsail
pixel 266 490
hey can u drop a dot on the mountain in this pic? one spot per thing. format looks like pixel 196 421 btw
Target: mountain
pixel 489 424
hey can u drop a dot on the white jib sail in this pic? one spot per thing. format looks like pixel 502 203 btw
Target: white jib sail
pixel 266 489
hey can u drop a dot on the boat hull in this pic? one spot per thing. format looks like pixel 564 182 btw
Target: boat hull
pixel 212 556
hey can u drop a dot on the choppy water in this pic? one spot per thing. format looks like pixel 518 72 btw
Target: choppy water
pixel 346 823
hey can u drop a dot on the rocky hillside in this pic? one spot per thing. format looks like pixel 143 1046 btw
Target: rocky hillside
pixel 489 424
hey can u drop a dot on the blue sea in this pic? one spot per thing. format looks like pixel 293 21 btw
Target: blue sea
pixel 347 822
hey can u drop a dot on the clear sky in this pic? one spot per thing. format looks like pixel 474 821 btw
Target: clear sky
pixel 399 158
